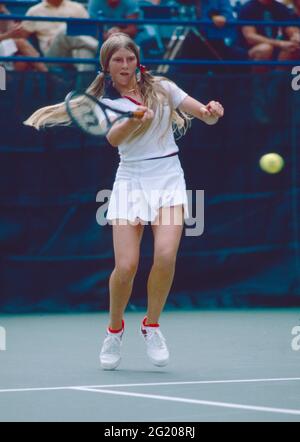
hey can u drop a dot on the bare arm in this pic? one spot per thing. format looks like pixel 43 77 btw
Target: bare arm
pixel 253 38
pixel 293 34
pixel 209 113
pixel 18 32
pixel 121 130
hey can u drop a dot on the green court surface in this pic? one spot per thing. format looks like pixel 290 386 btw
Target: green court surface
pixel 232 365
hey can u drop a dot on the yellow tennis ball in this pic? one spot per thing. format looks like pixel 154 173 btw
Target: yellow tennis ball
pixel 271 163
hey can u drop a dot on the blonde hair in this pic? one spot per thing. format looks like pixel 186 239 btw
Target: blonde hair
pixel 153 94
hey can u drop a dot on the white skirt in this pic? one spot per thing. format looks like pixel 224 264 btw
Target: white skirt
pixel 142 187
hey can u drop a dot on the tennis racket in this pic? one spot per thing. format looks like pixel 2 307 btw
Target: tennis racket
pixel 92 116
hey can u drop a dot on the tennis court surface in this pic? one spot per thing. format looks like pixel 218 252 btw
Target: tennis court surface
pixel 237 365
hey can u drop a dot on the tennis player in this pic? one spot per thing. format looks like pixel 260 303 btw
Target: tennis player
pixel 149 184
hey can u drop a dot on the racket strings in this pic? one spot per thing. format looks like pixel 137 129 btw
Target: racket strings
pixel 88 115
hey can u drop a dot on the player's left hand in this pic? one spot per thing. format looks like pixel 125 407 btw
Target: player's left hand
pixel 215 109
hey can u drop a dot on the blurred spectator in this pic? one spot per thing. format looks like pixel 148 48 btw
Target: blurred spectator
pixel 296 9
pixel 153 2
pixel 268 42
pixel 215 42
pixel 115 9
pixel 51 36
pixel 125 9
pixel 16 46
pixel 219 12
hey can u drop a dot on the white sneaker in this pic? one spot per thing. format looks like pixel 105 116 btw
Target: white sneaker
pixel 110 355
pixel 157 349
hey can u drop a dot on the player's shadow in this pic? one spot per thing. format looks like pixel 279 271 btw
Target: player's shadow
pixel 134 372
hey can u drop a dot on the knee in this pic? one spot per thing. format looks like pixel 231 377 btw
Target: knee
pixel 291 53
pixel 126 271
pixel 262 51
pixel 165 260
pixel 21 66
pixel 18 40
pixel 20 43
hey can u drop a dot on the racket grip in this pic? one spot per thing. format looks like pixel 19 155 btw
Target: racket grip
pixel 138 114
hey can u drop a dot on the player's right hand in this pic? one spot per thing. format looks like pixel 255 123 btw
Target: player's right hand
pixel 148 114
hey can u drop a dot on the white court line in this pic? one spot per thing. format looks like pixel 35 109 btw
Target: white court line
pixel 24 390
pixel 149 384
pixel 226 381
pixel 195 401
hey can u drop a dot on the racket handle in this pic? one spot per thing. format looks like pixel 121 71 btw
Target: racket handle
pixel 138 114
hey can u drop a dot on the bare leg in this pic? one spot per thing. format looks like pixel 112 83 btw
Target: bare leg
pixel 286 55
pixel 126 239
pixel 261 52
pixel 167 237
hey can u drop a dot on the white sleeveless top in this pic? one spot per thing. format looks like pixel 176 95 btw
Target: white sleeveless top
pixel 150 144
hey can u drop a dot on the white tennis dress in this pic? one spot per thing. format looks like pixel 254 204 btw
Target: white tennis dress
pixel 147 178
